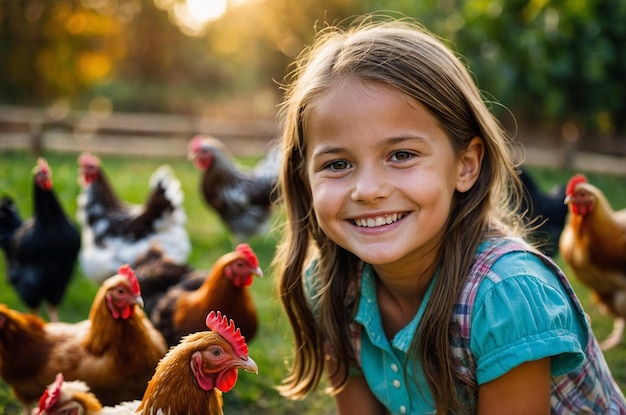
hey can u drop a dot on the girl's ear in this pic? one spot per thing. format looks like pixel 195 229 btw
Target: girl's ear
pixel 470 162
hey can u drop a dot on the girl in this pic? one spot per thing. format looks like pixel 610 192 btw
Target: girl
pixel 421 295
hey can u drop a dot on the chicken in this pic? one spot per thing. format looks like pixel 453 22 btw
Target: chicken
pixel 157 272
pixel 546 213
pixel 115 232
pixel 214 358
pixel 593 244
pixel 10 221
pixel 40 252
pixel 115 351
pixel 243 199
pixel 225 289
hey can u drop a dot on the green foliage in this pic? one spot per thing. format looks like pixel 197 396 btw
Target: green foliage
pixel 550 61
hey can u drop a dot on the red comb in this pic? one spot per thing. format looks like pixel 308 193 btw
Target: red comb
pixel 51 394
pixel 246 251
pixel 128 272
pixel 88 159
pixel 573 182
pixel 195 143
pixel 228 331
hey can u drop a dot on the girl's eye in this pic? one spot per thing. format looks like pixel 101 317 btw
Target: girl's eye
pixel 401 155
pixel 338 165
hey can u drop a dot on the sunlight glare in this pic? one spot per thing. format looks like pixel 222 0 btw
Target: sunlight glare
pixel 206 10
pixel 193 16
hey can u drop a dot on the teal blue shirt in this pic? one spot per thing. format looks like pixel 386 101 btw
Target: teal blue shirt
pixel 525 315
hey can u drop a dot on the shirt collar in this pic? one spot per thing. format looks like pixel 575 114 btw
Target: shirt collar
pixel 368 314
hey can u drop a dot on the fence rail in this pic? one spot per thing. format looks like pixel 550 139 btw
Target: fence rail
pixel 36 129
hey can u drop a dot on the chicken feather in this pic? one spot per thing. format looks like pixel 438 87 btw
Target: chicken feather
pixel 225 288
pixel 593 244
pixel 115 232
pixel 115 351
pixel 214 357
pixel 243 199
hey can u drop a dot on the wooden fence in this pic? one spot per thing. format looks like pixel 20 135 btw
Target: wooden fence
pixel 36 129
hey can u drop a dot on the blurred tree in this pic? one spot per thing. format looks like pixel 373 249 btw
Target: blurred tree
pixel 52 49
pixel 552 61
pixel 549 61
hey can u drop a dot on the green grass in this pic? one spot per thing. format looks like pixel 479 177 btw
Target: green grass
pixel 129 177
pixel 272 346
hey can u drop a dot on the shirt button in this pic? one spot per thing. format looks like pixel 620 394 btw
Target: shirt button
pixel 403 409
pixel 394 367
pixel 397 384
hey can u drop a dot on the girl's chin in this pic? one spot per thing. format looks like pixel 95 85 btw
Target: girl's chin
pixel 378 255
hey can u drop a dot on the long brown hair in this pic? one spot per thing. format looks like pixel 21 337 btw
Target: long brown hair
pixel 403 55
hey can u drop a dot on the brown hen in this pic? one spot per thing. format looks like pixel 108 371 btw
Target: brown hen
pixel 189 380
pixel 593 244
pixel 115 351
pixel 226 288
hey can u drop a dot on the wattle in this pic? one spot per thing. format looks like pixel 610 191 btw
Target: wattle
pixel 226 380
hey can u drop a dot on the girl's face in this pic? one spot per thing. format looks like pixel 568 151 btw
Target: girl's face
pixel 382 173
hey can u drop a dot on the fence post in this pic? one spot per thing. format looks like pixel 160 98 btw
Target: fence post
pixel 36 130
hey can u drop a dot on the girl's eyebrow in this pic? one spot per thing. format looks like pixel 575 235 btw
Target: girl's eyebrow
pixel 390 141
pixel 400 139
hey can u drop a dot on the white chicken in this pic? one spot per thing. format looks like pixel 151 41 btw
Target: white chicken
pixel 115 232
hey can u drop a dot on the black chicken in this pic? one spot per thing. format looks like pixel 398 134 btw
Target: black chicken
pixel 243 199
pixel 40 252
pixel 10 221
pixel 156 273
pixel 545 211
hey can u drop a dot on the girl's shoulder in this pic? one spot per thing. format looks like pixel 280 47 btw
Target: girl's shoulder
pixel 508 274
pixel 500 259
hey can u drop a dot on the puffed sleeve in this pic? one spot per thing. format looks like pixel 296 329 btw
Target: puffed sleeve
pixel 524 317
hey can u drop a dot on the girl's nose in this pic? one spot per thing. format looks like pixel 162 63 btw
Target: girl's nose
pixel 370 185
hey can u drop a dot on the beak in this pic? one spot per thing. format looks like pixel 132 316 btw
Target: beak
pixel 258 272
pixel 568 198
pixel 249 365
pixel 139 301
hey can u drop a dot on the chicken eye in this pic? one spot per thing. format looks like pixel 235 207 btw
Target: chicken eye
pixel 216 352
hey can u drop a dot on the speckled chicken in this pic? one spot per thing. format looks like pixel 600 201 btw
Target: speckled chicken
pixel 243 199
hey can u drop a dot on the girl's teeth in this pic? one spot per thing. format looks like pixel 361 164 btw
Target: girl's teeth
pixel 377 221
